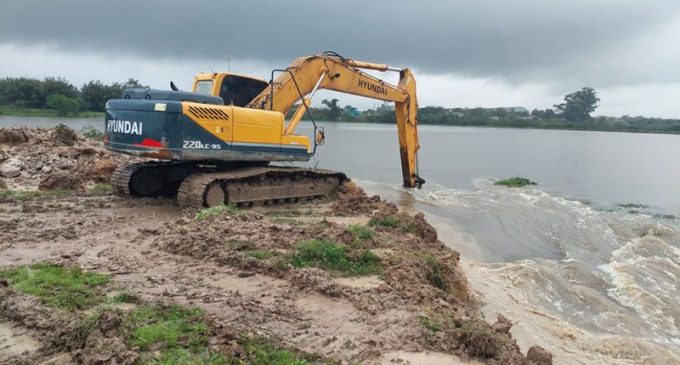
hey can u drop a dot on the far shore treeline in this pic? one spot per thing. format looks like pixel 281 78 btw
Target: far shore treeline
pixel 574 113
pixel 58 97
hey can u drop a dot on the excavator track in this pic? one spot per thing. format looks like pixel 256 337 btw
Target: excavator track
pixel 120 179
pixel 200 186
pixel 150 178
pixel 257 185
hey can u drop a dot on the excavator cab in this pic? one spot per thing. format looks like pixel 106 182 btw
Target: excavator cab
pixel 235 90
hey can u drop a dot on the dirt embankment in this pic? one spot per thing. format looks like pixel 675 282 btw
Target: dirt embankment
pixel 57 158
pixel 352 279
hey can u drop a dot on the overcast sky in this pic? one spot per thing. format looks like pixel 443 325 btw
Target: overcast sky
pixel 464 53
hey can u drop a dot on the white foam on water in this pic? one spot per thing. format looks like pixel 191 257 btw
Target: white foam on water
pixel 610 297
pixel 503 292
pixel 644 277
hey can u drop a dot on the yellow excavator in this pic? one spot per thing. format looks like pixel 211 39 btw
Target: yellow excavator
pixel 213 145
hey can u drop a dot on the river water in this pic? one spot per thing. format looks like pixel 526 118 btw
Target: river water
pixel 587 263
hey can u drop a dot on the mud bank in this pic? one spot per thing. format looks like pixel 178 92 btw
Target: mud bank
pixel 349 279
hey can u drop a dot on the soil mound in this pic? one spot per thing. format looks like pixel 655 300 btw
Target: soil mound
pixel 102 170
pixel 539 356
pixel 65 135
pixel 58 158
pixel 352 200
pixel 14 135
pixel 60 180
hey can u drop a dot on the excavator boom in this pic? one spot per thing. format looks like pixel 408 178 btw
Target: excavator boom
pixel 333 72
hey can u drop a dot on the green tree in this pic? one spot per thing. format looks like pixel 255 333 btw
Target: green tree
pixel 334 109
pixel 96 94
pixel 21 92
pixel 64 105
pixel 578 105
pixel 32 93
pixel 133 84
pixel 58 86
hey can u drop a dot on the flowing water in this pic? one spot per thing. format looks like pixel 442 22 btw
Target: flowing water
pixel 587 262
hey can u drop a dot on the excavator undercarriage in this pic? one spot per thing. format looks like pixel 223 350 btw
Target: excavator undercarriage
pixel 198 185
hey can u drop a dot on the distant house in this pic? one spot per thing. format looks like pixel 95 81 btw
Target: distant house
pixel 515 109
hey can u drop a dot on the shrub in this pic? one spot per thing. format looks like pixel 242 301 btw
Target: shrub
pixel 389 221
pixel 64 105
pixel 436 276
pixel 91 132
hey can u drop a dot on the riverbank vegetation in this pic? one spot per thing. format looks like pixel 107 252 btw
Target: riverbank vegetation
pixel 57 97
pixel 574 113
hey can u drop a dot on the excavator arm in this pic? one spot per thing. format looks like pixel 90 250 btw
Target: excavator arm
pixel 333 72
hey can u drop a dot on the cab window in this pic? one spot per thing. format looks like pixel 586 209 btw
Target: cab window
pixel 239 91
pixel 204 87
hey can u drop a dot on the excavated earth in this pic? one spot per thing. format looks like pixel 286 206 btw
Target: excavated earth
pixel 233 265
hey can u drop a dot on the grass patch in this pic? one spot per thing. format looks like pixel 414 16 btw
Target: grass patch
pixel 102 189
pixel 436 276
pixel 360 233
pixel 174 327
pixel 515 182
pixel 429 324
pixel 23 195
pixel 393 221
pixel 126 297
pixel 215 211
pixel 182 336
pixel 389 221
pixel 287 220
pixel 260 254
pixel 185 357
pixel 68 288
pixel 288 212
pixel 331 256
pixel 261 351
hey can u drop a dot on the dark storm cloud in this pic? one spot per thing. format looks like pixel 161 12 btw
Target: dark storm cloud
pixel 479 38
